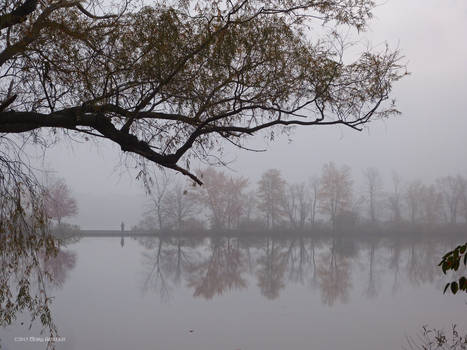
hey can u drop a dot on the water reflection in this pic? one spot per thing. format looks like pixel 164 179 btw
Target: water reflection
pixel 220 271
pixel 165 262
pixel 281 279
pixel 271 265
pixel 32 266
pixel 218 265
pixel 334 274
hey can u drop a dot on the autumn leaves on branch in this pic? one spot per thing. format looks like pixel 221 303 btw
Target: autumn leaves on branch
pixel 169 83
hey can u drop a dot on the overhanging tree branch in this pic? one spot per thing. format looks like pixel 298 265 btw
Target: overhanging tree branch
pixel 169 83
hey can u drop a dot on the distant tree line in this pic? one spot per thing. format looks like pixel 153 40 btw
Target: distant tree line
pixel 327 201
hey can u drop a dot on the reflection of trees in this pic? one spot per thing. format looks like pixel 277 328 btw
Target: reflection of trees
pixel 421 260
pixel 165 262
pixel 298 259
pixel 334 276
pixel 394 263
pixel 422 264
pixel 271 270
pixel 314 275
pixel 218 265
pixel 221 271
pixel 180 260
pixel 30 265
pixel 371 290
pixel 58 266
pixel 155 277
pixel 249 259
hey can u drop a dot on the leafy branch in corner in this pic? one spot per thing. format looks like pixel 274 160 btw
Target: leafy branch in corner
pixel 451 261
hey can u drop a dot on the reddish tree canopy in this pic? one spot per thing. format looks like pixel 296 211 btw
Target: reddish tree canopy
pixel 59 203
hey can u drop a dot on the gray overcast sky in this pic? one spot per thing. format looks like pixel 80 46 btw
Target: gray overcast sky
pixel 429 138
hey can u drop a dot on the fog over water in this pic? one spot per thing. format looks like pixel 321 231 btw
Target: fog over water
pixel 245 293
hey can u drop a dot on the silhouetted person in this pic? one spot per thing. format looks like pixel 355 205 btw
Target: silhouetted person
pixel 122 242
pixel 122 226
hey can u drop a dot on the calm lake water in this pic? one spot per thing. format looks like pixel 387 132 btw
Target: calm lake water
pixel 245 293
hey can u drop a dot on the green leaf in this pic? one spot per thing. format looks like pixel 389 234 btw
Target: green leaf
pixel 446 255
pixel 462 283
pixel 454 287
pixel 446 288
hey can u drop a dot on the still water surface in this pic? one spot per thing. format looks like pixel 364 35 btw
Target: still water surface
pixel 245 293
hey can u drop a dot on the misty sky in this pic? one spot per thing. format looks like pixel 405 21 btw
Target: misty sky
pixel 429 138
